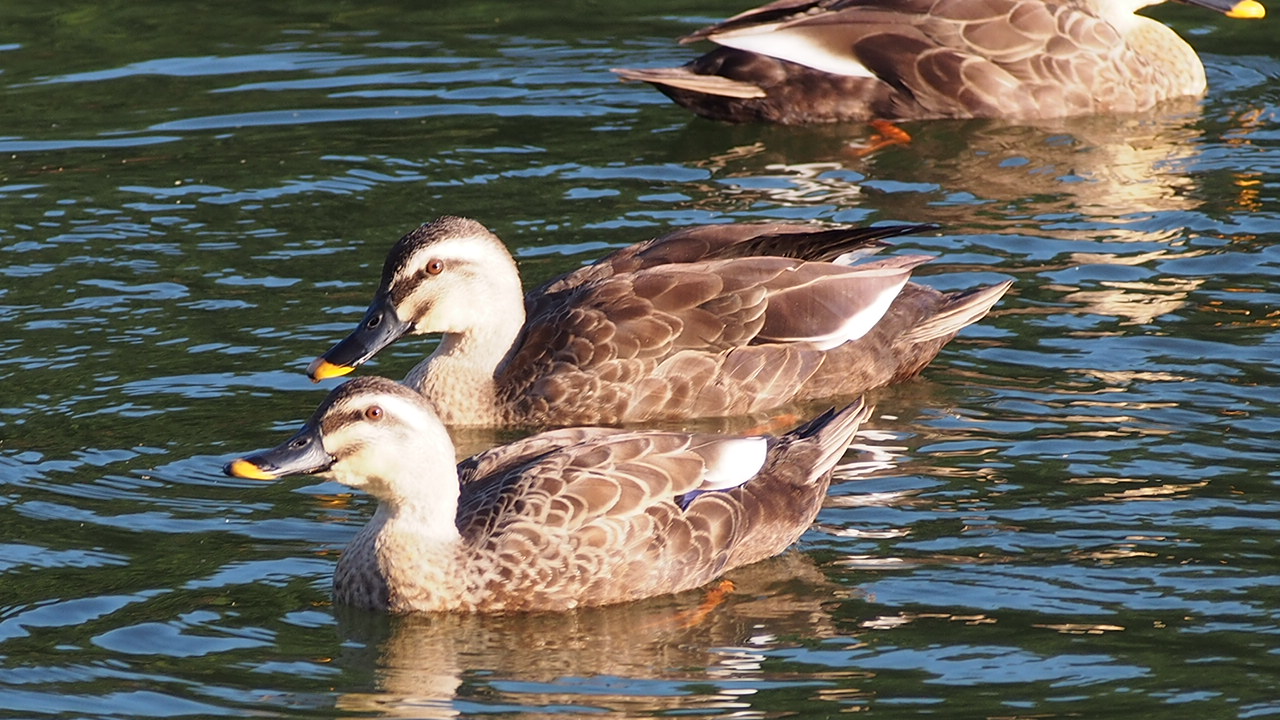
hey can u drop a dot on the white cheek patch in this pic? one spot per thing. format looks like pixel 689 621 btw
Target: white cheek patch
pixel 432 303
pixel 420 312
pixel 801 46
pixel 348 447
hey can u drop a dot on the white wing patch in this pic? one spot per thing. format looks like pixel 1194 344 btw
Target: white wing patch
pixel 861 322
pixel 803 47
pixel 732 462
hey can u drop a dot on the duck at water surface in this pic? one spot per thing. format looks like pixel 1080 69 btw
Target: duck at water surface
pixel 709 321
pixel 816 61
pixel 563 519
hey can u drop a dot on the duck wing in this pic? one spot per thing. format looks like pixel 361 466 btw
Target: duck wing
pixel 591 517
pixel 1019 58
pixel 769 14
pixel 826 305
pixel 635 286
pixel 739 240
pixel 491 480
pixel 907 59
pixel 654 341
pixel 601 520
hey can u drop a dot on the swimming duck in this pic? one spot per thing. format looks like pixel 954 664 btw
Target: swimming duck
pixel 710 321
pixel 815 61
pixel 566 518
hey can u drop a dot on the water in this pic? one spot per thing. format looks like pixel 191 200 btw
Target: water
pixel 1073 513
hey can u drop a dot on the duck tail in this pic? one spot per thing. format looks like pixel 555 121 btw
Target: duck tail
pixel 682 79
pixel 832 431
pixel 959 310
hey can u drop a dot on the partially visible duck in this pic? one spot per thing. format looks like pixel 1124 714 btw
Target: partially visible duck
pixel 563 519
pixel 814 61
pixel 712 321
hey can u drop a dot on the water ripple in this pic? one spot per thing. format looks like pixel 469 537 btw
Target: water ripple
pixel 1070 512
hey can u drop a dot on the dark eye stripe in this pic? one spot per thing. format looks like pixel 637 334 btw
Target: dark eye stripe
pixel 340 419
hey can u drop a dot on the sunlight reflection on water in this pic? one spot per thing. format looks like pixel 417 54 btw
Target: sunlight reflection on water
pixel 1072 511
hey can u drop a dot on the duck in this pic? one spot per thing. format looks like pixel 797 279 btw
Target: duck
pixel 566 518
pixel 710 321
pixel 795 62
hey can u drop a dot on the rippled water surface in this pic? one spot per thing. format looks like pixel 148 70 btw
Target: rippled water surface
pixel 1072 513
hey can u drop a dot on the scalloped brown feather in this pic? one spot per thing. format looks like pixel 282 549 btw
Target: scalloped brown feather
pixel 635 370
pixel 593 516
pixel 703 322
pixel 932 59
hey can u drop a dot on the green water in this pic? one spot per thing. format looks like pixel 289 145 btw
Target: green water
pixel 1072 513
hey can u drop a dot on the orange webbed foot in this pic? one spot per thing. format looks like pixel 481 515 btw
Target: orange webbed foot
pixel 886 135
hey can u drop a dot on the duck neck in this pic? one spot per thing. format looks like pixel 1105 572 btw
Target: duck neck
pixel 460 376
pixel 408 558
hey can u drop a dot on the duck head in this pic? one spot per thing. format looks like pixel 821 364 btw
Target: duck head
pixel 370 433
pixel 440 278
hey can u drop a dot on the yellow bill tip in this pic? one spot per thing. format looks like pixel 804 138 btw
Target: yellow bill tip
pixel 321 369
pixel 245 469
pixel 1247 10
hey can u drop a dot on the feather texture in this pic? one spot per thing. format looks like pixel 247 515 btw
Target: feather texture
pixel 811 61
pixel 708 321
pixel 562 519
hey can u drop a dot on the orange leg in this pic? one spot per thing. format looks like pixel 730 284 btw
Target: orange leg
pixel 886 134
pixel 715 596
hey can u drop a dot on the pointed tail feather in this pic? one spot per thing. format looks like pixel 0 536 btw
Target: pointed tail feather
pixel 959 311
pixel 693 82
pixel 833 430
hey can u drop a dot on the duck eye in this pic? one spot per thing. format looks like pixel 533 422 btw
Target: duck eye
pixel 435 266
pixel 373 412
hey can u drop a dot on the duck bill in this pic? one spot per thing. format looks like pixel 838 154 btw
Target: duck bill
pixel 302 454
pixel 380 327
pixel 1241 9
